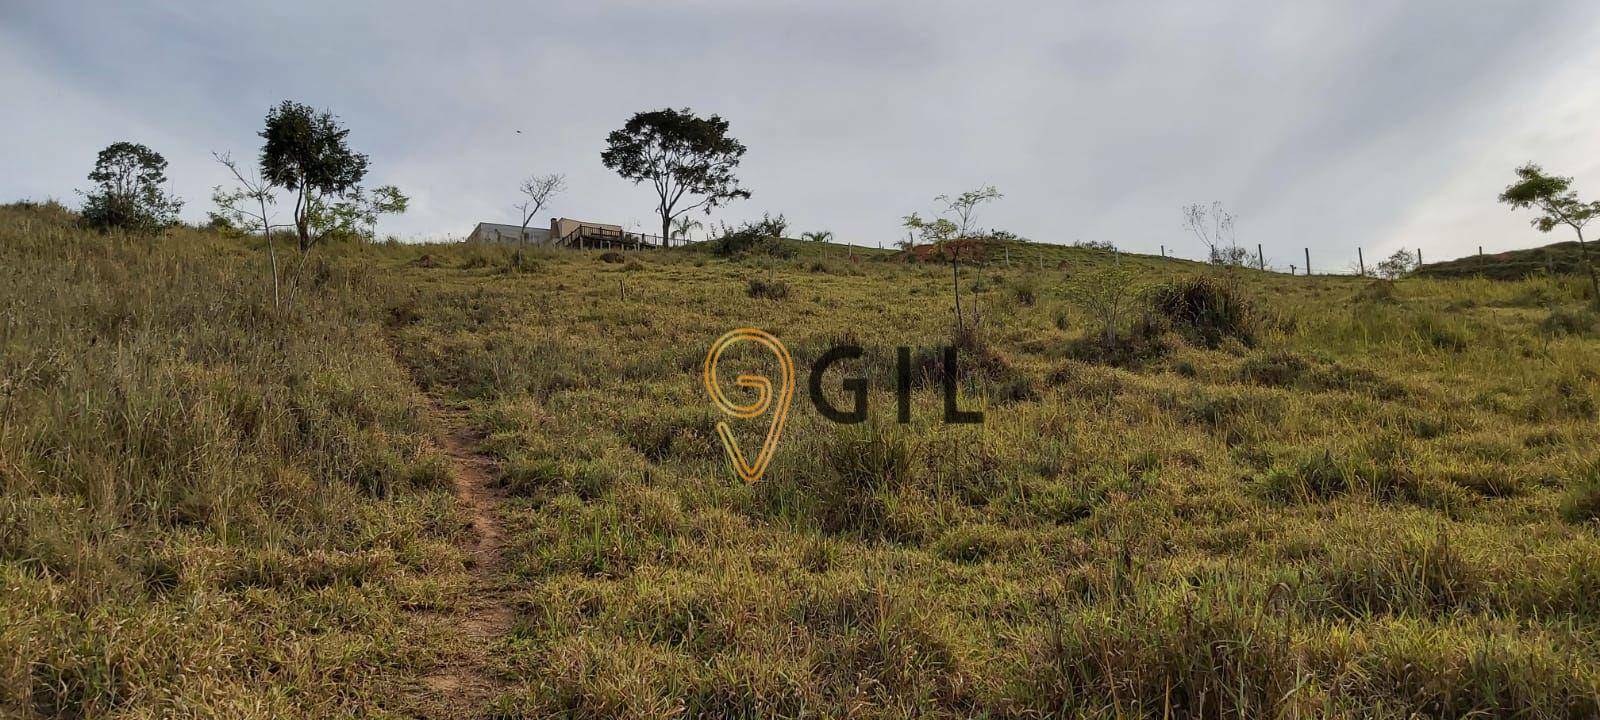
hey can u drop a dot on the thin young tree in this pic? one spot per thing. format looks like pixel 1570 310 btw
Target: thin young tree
pixel 1397 264
pixel 951 235
pixel 247 209
pixel 1553 196
pixel 537 191
pixel 964 207
pixel 942 234
pixel 1213 225
pixel 683 156
pixel 307 155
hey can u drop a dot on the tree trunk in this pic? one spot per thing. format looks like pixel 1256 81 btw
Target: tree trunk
pixel 1594 282
pixel 977 318
pixel 272 252
pixel 522 240
pixel 666 230
pixel 955 285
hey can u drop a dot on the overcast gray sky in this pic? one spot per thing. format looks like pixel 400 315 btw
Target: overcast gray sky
pixel 1333 125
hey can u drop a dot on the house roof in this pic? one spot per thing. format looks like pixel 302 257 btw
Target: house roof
pixel 510 229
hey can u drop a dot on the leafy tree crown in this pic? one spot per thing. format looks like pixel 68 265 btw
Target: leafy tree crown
pixel 681 153
pixel 305 147
pixel 1552 195
pixel 128 193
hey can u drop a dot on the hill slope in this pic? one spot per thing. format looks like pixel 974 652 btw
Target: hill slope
pixel 1563 258
pixel 209 507
pixel 1357 499
pixel 1377 506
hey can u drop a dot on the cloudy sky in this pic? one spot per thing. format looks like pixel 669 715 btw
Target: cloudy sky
pixel 1330 125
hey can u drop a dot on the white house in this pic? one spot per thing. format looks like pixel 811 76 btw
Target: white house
pixel 498 233
pixel 564 232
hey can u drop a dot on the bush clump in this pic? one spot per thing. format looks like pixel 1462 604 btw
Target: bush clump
pixel 1150 337
pixel 767 289
pixel 764 236
pixel 612 256
pixel 1205 310
pixel 1377 291
pixel 1569 321
pixel 1582 502
pixel 976 360
pixel 1026 292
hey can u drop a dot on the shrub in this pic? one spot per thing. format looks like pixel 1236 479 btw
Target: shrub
pixel 1026 291
pixel 1582 501
pixel 976 359
pixel 769 290
pixel 1569 321
pixel 1397 265
pixel 844 492
pixel 1149 338
pixel 612 256
pixel 1414 576
pixel 763 236
pixel 1205 310
pixel 1377 291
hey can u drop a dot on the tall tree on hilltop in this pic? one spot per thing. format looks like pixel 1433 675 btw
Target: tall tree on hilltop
pixel 683 156
pixel 128 193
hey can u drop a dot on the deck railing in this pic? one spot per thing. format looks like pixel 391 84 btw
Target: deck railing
pixel 598 237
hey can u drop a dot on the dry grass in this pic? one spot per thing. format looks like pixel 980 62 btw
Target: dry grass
pixel 207 508
pixel 1383 506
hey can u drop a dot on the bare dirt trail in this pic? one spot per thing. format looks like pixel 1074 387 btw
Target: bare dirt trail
pixel 463 686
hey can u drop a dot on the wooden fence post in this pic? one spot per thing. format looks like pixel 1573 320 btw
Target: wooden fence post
pixel 1361 260
pixel 1419 257
pixel 1308 262
pixel 1261 258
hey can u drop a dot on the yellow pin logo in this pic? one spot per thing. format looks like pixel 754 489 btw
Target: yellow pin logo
pixel 751 472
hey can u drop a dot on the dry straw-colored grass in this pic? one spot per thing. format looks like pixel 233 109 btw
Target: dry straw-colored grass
pixel 1349 499
pixel 1380 501
pixel 208 508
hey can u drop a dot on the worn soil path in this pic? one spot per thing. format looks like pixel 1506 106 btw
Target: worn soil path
pixel 464 685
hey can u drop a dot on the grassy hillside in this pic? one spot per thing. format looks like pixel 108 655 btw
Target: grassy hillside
pixel 208 508
pixel 1382 505
pixel 1361 499
pixel 1563 258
